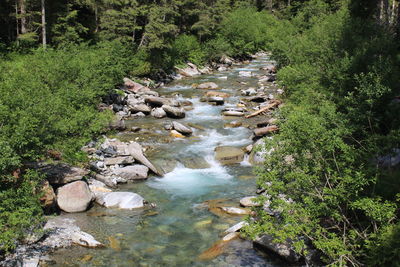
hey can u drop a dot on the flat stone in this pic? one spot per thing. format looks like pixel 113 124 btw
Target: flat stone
pixel 74 197
pixel 235 211
pixel 284 249
pixel 227 155
pixel 174 112
pixel 207 85
pixel 63 173
pixel 140 108
pixel 119 160
pixel 133 172
pixel 183 129
pixel 249 202
pixel 122 200
pixel 176 134
pixel 236 227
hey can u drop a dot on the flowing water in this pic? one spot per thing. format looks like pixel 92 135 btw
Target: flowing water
pixel 181 227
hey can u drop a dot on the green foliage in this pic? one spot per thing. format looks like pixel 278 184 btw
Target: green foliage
pixel 187 48
pixel 68 29
pixel 340 75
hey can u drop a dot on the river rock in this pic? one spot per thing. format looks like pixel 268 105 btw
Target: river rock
pixel 233 113
pixel 133 172
pixel 230 237
pixel 284 249
pixel 110 180
pixel 235 211
pixel 236 227
pixel 63 173
pixel 85 240
pixel 207 85
pixel 117 124
pixel 122 200
pixel 249 92
pixel 183 129
pixel 233 124
pixel 133 86
pixel 216 99
pixel 155 101
pixel 174 112
pixel 119 160
pixel 189 71
pixel 217 94
pixel 48 197
pixel 222 68
pixel 228 155
pixel 140 108
pixel 98 188
pixel 249 202
pixel 245 73
pixel 158 113
pixel 176 134
pixel 74 197
pixel 135 150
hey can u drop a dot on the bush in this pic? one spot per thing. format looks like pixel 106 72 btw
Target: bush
pixel 186 48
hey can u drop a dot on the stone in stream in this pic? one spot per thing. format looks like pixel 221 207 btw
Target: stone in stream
pixel 119 160
pixel 189 71
pixel 174 112
pixel 249 202
pixel 236 227
pixel 157 101
pixel 215 93
pixel 235 211
pixel 233 113
pixel 158 113
pixel 74 197
pixel 176 134
pixel 233 124
pixel 140 108
pixel 63 173
pixel 122 200
pixel 245 74
pixel 183 129
pixel 228 155
pixel 207 85
pixel 85 240
pixel 134 86
pixel 133 172
pixel 216 99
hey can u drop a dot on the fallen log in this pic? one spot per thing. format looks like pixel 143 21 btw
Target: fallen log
pixel 272 104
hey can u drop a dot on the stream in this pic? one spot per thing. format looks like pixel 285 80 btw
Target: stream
pixel 181 227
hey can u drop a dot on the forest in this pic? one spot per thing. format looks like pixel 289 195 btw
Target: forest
pixel 335 159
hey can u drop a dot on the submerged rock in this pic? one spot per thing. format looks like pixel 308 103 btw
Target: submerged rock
pixel 207 85
pixel 227 155
pixel 74 197
pixel 122 200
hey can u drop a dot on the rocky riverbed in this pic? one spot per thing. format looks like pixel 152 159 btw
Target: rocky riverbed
pixel 172 186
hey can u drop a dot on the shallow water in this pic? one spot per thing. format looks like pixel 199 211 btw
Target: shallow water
pixel 181 227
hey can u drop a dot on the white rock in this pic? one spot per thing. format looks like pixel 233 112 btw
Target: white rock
pixel 85 240
pixel 122 200
pixel 133 172
pixel 236 227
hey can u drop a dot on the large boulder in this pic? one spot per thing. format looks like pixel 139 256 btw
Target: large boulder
pixel 174 112
pixel 135 150
pixel 283 249
pixel 122 200
pixel 134 86
pixel 63 173
pixel 133 172
pixel 155 101
pixel 140 108
pixel 228 155
pixel 183 129
pixel 74 197
pixel 207 85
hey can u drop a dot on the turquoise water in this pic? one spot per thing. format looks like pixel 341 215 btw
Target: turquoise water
pixel 181 227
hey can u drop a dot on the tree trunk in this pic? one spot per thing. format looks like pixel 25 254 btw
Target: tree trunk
pixel 17 21
pixel 44 40
pixel 383 12
pixel 23 16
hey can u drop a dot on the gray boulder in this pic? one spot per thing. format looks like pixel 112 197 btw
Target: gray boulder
pixel 63 173
pixel 158 113
pixel 207 85
pixel 140 108
pixel 284 249
pixel 119 160
pixel 174 112
pixel 183 129
pixel 133 172
pixel 74 197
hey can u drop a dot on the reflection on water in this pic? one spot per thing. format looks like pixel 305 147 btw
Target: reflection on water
pixel 181 227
